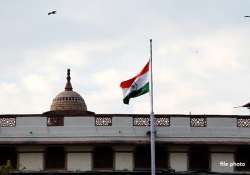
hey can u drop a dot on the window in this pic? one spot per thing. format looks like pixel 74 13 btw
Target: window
pixel 7 121
pixel 242 155
pixel 55 158
pixel 142 157
pixel 198 158
pixel 55 121
pixel 8 153
pixel 103 158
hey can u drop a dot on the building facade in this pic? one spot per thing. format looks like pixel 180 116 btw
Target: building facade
pixel 69 138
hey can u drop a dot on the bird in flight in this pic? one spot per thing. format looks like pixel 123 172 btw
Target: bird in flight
pixel 246 16
pixel 52 12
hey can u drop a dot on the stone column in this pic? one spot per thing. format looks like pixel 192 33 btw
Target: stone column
pixel 124 157
pixel 30 158
pixel 79 158
pixel 178 158
pixel 221 157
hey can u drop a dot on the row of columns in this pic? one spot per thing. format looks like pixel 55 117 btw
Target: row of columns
pixel 79 158
pixel 179 158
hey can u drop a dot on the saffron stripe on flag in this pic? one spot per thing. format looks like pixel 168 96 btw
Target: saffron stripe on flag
pixel 128 83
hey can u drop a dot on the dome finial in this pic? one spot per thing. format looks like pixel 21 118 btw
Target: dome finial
pixel 68 86
pixel 68 100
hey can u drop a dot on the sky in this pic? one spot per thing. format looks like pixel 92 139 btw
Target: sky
pixel 201 54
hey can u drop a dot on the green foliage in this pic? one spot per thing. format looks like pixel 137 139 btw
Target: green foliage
pixel 5 169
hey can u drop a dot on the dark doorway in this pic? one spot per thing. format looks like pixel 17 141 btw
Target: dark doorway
pixel 55 158
pixel 199 158
pixel 103 158
pixel 242 155
pixel 8 153
pixel 142 157
pixel 161 157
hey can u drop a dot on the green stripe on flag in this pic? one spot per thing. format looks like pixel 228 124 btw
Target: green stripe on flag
pixel 144 89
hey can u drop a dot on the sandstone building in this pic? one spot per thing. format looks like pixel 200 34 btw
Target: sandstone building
pixel 69 138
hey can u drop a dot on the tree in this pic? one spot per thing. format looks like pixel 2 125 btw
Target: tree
pixel 5 169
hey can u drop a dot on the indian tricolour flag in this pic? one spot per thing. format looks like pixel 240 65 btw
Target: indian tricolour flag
pixel 136 86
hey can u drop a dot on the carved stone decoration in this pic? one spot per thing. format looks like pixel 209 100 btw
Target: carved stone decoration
pixel 243 122
pixel 103 121
pixel 7 122
pixel 141 121
pixel 198 122
pixel 145 121
pixel 162 121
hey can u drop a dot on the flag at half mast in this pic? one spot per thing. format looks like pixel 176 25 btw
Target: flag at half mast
pixel 136 86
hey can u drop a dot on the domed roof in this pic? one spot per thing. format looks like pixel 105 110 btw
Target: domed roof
pixel 68 100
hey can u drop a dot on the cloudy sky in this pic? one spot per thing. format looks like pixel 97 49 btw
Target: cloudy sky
pixel 201 52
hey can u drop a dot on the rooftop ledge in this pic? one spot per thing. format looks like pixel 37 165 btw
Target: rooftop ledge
pixel 90 113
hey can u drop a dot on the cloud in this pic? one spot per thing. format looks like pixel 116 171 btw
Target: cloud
pixel 200 74
pixel 107 93
pixel 42 75
pixel 201 62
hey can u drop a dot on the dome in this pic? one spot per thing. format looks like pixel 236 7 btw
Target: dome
pixel 68 100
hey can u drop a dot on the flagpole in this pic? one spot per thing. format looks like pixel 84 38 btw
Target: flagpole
pixel 152 127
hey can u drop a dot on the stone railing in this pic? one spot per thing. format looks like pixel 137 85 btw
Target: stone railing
pixel 138 120
pixel 120 127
